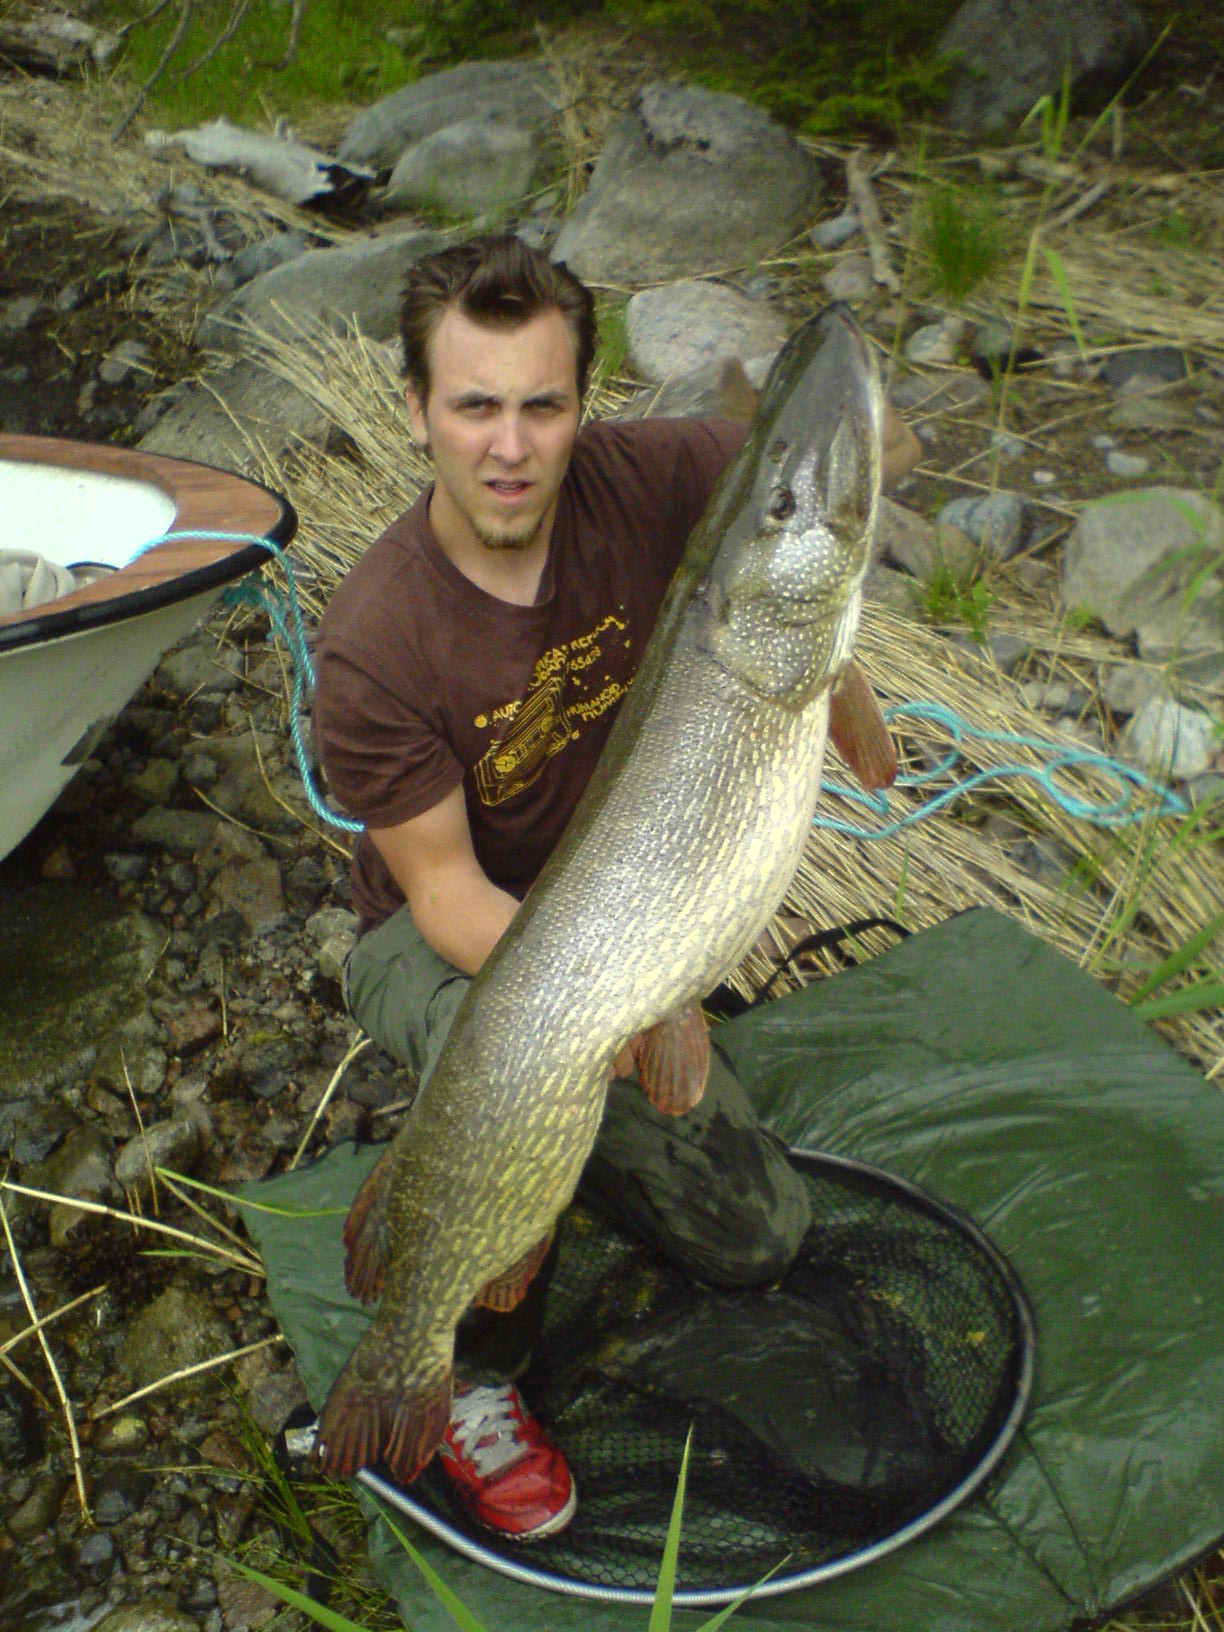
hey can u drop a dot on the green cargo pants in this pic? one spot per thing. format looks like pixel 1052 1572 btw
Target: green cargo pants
pixel 711 1190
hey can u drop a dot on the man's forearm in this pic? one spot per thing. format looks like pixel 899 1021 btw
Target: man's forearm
pixel 463 920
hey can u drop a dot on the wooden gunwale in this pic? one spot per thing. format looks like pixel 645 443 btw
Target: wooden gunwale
pixel 205 499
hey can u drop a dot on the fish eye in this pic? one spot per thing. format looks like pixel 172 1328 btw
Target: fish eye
pixel 782 504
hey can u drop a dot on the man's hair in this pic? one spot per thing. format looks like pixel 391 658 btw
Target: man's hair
pixel 495 279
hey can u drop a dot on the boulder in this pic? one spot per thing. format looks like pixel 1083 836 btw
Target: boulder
pixel 690 181
pixel 678 328
pixel 1147 564
pixel 523 94
pixel 1010 53
pixel 476 167
pixel 355 282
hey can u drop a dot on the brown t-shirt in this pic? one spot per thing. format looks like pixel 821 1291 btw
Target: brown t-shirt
pixel 425 680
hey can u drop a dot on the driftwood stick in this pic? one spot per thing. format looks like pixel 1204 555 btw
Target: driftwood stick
pixel 858 184
pixel 291 45
pixel 241 7
pixel 186 11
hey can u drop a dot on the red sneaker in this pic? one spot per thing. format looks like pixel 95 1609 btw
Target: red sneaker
pixel 503 1470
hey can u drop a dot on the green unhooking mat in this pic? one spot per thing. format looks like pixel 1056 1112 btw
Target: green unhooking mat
pixel 978 1064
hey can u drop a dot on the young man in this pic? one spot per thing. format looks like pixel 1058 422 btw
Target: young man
pixel 469 670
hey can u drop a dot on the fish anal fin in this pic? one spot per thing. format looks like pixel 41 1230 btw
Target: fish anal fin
pixel 371 1417
pixel 365 1241
pixel 859 733
pixel 507 1290
pixel 673 1060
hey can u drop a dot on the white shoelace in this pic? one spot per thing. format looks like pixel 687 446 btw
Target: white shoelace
pixel 485 1429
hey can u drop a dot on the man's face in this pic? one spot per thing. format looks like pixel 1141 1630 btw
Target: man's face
pixel 500 421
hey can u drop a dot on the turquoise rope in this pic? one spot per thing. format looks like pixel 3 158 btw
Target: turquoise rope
pixel 1118 812
pixel 292 631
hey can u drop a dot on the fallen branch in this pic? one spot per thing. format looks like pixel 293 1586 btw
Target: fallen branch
pixel 862 195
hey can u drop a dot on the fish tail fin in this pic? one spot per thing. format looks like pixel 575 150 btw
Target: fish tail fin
pixel 372 1415
pixel 507 1290
pixel 673 1060
pixel 365 1234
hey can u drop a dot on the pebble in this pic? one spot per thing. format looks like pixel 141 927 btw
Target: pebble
pixel 1166 736
pixel 849 280
pixel 936 342
pixel 120 1492
pixel 835 232
pixel 1151 364
pixel 992 521
pixel 128 361
pixel 175 1144
pixel 1126 464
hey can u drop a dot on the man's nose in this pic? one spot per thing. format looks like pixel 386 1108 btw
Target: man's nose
pixel 509 441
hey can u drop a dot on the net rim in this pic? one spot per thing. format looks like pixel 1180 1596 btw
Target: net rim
pixel 469 1547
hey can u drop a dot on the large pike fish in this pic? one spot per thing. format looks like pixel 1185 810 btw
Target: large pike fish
pixel 684 843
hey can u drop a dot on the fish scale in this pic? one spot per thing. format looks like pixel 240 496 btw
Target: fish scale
pixel 681 849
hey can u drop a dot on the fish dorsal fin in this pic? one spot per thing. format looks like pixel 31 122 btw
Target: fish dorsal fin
pixel 673 1060
pixel 857 728
pixel 365 1234
pixel 507 1290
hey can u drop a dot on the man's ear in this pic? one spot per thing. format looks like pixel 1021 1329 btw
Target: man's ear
pixel 416 414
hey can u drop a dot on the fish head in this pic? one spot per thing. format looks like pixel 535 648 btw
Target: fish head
pixel 798 514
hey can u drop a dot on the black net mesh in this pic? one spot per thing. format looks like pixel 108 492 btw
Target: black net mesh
pixel 828 1414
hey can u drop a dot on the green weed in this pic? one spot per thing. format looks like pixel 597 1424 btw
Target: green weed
pixel 660 1613
pixel 962 237
pixel 951 597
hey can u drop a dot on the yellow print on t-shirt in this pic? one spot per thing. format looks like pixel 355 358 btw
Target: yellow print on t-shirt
pixel 540 724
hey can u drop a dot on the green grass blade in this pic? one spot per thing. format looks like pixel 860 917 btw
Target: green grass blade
pixel 1179 961
pixel 330 1618
pixel 240 1201
pixel 450 1601
pixel 1059 273
pixel 661 1609
pixel 725 1614
pixel 1204 994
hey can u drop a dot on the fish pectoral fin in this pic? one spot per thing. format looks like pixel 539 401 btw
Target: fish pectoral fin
pixel 859 733
pixel 365 1234
pixel 372 1416
pixel 673 1060
pixel 507 1290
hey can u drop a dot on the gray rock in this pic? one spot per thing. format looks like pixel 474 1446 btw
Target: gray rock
pixel 127 867
pixel 181 832
pixel 120 1492
pixel 177 1330
pixel 936 342
pixel 199 665
pixel 358 282
pixel 1170 739
pixel 474 167
pixel 1009 53
pixel 942 393
pixel 680 327
pixel 72 966
pixel 18 313
pixel 849 280
pixel 80 1169
pixel 884 586
pixel 148 1615
pixel 836 231
pixel 237 407
pixel 155 780
pixel 38 1512
pixel 328 922
pixel 1127 686
pixel 1144 412
pixel 253 889
pixel 993 521
pixel 1154 364
pixel 518 93
pixel 1127 465
pixel 262 257
pixel 910 541
pixel 698 395
pixel 177 1144
pixel 1131 561
pixel 1007 447
pixel 690 181
pixel 130 361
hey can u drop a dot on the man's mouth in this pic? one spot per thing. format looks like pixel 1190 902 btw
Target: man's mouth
pixel 506 490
